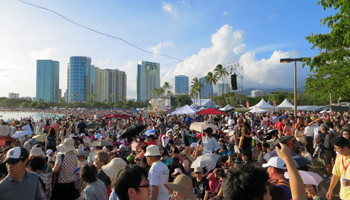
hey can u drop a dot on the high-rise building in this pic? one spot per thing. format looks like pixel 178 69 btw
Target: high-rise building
pixel 79 78
pixel 47 80
pixel 113 85
pixel 221 89
pixel 148 76
pixel 206 90
pixel 13 95
pixel 181 84
pixel 96 84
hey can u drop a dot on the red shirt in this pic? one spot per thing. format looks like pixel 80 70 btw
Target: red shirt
pixel 154 143
pixel 279 126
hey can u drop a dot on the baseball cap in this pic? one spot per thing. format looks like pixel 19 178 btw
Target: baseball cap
pixel 198 169
pixel 48 152
pixel 16 154
pixel 275 162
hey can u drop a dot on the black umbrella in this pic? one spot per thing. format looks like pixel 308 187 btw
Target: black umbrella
pixel 132 131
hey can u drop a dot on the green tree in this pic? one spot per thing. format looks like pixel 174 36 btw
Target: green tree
pixel 159 92
pixel 183 100
pixel 211 79
pixel 331 67
pixel 93 96
pixel 221 72
pixel 196 87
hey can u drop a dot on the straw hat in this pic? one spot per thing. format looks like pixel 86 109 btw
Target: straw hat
pixel 68 145
pixel 183 185
pixel 37 151
pixel 113 167
pixel 152 150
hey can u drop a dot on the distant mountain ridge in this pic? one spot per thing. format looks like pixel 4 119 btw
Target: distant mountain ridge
pixel 247 92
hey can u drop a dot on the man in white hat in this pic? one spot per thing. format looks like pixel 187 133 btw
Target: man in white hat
pixel 158 175
pixel 276 168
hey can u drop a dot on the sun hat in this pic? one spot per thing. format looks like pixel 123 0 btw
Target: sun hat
pixel 76 171
pixel 37 151
pixel 183 185
pixel 152 150
pixel 16 154
pixel 198 169
pixel 177 171
pixel 32 141
pixel 113 167
pixel 121 146
pixel 275 162
pixel 48 152
pixel 59 147
pixel 68 145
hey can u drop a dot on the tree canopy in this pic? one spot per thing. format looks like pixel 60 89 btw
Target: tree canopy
pixel 331 67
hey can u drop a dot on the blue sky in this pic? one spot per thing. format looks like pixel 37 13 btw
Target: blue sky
pixel 204 33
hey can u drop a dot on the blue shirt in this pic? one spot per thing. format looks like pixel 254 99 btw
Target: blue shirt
pixel 188 120
pixel 284 184
pixel 198 118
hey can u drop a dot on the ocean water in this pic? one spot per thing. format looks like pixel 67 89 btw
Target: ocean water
pixel 18 115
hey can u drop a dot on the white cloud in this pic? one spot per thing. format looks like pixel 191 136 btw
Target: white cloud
pixel 225 13
pixel 168 7
pixel 156 49
pixel 103 63
pixel 228 48
pixel 44 53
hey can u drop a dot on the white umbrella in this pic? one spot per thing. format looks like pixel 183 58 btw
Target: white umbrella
pixel 21 134
pixel 205 160
pixel 200 126
pixel 309 178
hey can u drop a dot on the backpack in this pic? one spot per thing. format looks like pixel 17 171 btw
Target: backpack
pixel 327 143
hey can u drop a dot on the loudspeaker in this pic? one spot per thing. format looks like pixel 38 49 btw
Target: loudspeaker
pixel 234 82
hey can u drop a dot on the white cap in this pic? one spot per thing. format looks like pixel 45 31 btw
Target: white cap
pixel 152 150
pixel 48 152
pixel 275 162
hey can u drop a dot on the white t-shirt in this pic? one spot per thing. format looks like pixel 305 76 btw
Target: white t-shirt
pixel 159 175
pixel 309 131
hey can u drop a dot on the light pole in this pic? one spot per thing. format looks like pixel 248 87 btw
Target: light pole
pixel 288 60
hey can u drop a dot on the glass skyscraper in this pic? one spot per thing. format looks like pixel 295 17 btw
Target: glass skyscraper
pixel 79 78
pixel 206 90
pixel 181 84
pixel 47 80
pixel 147 77
pixel 221 88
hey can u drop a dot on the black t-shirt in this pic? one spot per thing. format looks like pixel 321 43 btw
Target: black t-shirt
pixel 200 187
pixel 81 127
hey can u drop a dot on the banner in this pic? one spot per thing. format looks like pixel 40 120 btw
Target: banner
pixel 247 104
pixel 274 103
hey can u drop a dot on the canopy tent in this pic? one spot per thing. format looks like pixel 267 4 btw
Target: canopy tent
pixel 188 110
pixel 226 108
pixel 264 105
pixel 211 111
pixel 258 110
pixel 285 105
pixel 203 103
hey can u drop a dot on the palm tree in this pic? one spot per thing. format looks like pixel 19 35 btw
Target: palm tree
pixel 197 86
pixel 158 91
pixel 93 96
pixel 221 72
pixel 211 79
pixel 74 95
pixel 112 95
pixel 122 98
pixel 167 86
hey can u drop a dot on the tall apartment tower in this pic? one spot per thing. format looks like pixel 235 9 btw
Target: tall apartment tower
pixel 79 78
pixel 148 76
pixel 47 80
pixel 181 84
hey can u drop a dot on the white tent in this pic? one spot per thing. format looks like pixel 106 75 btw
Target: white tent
pixel 264 105
pixel 258 110
pixel 188 110
pixel 207 103
pixel 226 108
pixel 285 105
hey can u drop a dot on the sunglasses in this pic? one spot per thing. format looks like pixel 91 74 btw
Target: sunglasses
pixel 146 185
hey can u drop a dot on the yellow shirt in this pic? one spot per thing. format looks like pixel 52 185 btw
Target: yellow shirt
pixel 338 170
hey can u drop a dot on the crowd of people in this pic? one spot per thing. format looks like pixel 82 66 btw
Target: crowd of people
pixel 243 156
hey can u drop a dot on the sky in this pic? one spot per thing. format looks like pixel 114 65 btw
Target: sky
pixel 202 34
